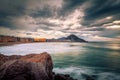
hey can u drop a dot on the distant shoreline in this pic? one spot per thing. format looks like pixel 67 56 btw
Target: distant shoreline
pixel 12 43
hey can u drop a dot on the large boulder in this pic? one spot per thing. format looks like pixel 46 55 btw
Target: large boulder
pixel 43 58
pixel 29 67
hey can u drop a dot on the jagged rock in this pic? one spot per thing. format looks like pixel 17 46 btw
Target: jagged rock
pixel 37 67
pixel 88 77
pixel 63 77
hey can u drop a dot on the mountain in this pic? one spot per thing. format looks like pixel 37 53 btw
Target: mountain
pixel 72 38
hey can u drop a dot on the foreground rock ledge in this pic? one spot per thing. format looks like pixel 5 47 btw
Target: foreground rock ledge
pixel 29 67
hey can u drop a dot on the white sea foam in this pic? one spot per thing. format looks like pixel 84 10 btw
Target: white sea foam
pixel 77 73
pixel 70 70
pixel 73 71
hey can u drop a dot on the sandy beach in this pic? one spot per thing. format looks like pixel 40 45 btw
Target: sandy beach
pixel 11 43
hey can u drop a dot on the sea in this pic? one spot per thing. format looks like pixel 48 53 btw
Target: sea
pixel 100 60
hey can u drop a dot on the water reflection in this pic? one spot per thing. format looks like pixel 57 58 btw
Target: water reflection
pixel 93 55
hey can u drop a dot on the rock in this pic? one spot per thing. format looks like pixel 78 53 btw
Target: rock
pixel 43 58
pixel 4 58
pixel 59 77
pixel 62 77
pixel 29 67
pixel 87 77
pixel 67 75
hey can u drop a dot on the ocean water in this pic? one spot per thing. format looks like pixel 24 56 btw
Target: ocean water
pixel 99 60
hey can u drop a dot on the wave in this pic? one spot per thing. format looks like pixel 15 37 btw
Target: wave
pixel 108 76
pixel 75 72
pixel 82 73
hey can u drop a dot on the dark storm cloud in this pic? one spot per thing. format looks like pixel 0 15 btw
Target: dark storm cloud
pixel 42 13
pixel 46 12
pixel 10 8
pixel 60 17
pixel 69 6
pixel 100 9
pixel 13 9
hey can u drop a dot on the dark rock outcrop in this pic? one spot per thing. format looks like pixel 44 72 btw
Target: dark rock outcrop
pixel 37 67
pixel 22 70
pixel 63 77
pixel 87 77
pixel 31 67
pixel 43 58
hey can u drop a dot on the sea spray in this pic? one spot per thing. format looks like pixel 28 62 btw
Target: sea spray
pixel 80 73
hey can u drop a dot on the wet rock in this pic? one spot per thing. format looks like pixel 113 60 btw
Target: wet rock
pixel 63 77
pixel 67 75
pixel 87 77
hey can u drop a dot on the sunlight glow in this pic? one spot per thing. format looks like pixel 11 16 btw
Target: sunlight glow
pixel 114 27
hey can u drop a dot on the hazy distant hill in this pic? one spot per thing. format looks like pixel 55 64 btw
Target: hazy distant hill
pixel 72 38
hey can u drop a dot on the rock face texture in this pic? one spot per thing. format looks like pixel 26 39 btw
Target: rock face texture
pixel 4 58
pixel 44 59
pixel 29 67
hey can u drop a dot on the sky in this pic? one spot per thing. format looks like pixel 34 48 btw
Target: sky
pixel 92 20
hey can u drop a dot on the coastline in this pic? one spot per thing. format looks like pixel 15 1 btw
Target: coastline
pixel 13 43
pixel 40 68
pixel 39 64
pixel 9 43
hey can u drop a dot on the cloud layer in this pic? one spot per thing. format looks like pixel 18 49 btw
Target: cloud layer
pixel 93 20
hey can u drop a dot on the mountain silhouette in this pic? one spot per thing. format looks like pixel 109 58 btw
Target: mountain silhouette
pixel 72 38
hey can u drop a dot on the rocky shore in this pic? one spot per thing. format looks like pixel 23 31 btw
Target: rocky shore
pixel 30 67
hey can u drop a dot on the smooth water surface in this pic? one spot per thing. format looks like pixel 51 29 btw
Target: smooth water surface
pixel 100 60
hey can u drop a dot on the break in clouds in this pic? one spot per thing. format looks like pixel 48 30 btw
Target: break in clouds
pixel 93 20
